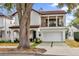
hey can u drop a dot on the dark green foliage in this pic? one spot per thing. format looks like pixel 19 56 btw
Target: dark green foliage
pixel 5 41
pixel 16 41
pixel 37 40
pixel 31 40
pixel 76 36
pixel 66 34
pixel 9 41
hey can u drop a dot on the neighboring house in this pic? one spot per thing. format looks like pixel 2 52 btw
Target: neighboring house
pixel 5 23
pixel 46 25
pixel 71 30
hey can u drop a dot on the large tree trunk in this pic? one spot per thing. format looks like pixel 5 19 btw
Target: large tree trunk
pixel 24 11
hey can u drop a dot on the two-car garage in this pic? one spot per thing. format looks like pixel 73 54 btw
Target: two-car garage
pixel 53 35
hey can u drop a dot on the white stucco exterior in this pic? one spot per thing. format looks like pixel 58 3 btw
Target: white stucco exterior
pixel 46 33
pixel 16 20
pixel 4 26
pixel 71 31
pixel 35 18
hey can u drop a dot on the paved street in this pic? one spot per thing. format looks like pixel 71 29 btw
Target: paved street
pixel 59 49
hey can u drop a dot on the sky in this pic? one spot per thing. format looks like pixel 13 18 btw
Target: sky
pixel 46 7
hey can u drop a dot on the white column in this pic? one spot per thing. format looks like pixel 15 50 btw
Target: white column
pixel 72 35
pixel 56 21
pixel 5 29
pixel 48 21
pixel 37 34
pixel 64 20
pixel 63 35
pixel 12 36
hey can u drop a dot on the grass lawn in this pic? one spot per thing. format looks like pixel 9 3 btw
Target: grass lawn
pixel 33 44
pixel 72 43
pixel 32 50
pixel 9 44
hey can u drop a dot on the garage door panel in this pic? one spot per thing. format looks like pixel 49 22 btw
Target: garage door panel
pixel 52 36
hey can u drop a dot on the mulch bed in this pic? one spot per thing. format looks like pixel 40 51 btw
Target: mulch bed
pixel 27 51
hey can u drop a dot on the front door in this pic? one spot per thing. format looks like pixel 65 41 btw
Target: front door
pixel 34 34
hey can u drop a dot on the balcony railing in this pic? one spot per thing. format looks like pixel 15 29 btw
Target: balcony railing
pixel 52 21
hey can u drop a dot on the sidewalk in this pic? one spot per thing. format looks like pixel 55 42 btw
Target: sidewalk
pixel 8 46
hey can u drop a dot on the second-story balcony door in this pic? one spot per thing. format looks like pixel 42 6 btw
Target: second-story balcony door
pixel 44 22
pixel 52 22
pixel 60 21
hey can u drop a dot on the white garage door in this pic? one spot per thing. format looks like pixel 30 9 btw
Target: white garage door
pixel 52 36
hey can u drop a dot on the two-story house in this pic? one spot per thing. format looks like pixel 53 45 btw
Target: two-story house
pixel 46 25
pixel 5 23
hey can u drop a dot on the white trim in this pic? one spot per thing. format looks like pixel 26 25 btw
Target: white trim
pixel 56 21
pixel 48 21
pixel 53 27
pixel 64 20
pixel 54 15
pixel 51 30
pixel 63 35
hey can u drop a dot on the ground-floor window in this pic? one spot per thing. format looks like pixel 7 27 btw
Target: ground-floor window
pixel 2 33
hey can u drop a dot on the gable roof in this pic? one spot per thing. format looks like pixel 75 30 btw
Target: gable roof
pixel 52 12
pixel 17 12
pixel 2 15
pixel 14 13
pixel 46 12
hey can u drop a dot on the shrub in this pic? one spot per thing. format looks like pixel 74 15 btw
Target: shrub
pixel 16 41
pixel 31 40
pixel 5 41
pixel 2 41
pixel 8 41
pixel 76 36
pixel 37 40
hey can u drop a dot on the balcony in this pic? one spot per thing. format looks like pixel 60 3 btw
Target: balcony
pixel 52 21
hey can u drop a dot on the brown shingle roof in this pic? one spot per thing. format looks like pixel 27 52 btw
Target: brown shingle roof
pixel 52 12
pixel 17 12
pixel 46 12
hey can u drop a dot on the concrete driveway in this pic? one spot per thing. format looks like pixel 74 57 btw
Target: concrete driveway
pixel 59 48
